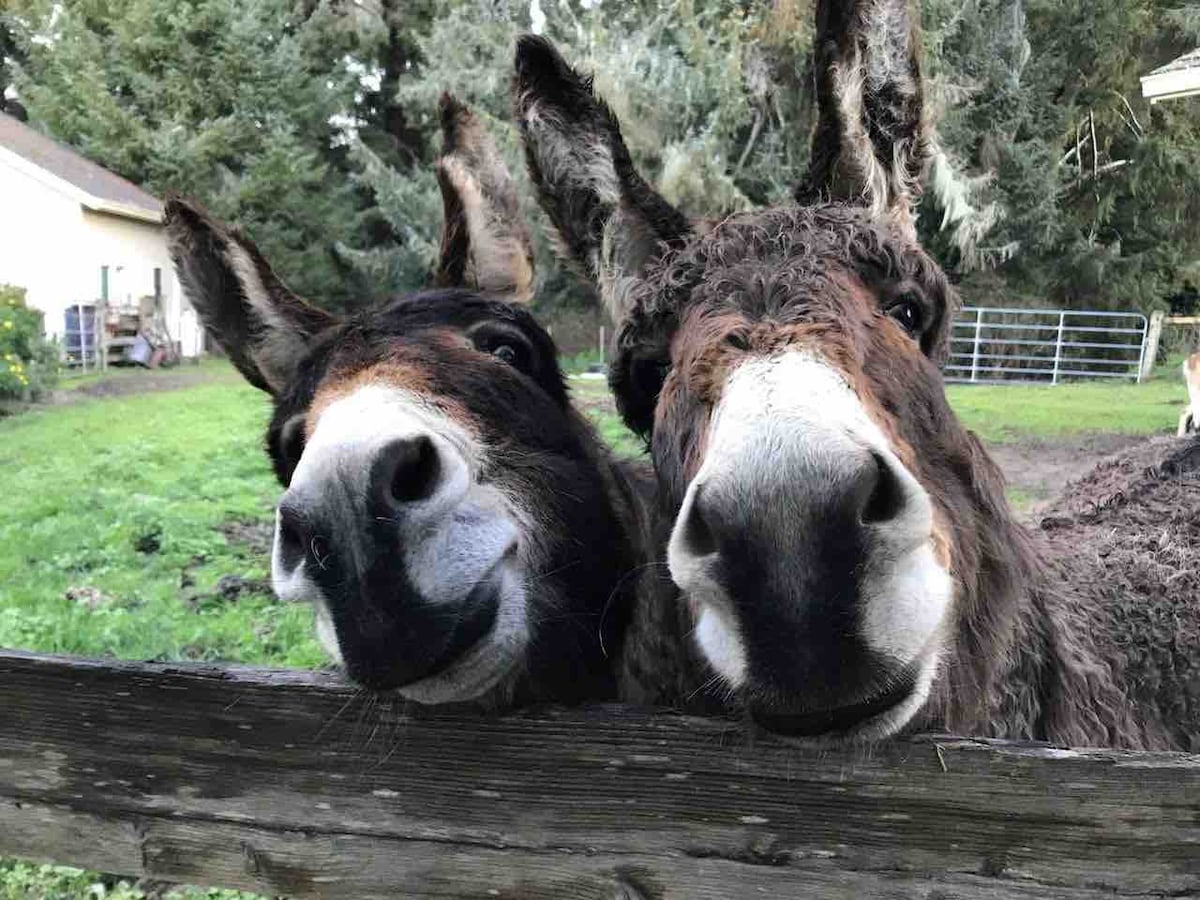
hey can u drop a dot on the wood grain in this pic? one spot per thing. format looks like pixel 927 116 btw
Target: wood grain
pixel 294 783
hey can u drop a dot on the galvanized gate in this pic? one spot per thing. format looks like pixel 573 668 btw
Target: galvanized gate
pixel 1000 345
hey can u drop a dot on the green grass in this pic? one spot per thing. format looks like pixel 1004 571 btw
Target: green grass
pixel 74 379
pixel 583 361
pixel 85 484
pixel 21 880
pixel 592 396
pixel 1007 413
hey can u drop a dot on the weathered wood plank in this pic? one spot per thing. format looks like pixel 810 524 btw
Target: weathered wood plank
pixel 292 782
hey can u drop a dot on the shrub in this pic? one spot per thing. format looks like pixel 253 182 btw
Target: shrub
pixel 29 363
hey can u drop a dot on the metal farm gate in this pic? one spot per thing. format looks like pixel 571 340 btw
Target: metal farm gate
pixel 999 345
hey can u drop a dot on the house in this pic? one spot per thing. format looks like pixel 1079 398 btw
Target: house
pixel 1178 78
pixel 76 235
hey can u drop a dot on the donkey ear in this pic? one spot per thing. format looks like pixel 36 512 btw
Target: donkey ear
pixel 609 220
pixel 871 141
pixel 485 244
pixel 263 326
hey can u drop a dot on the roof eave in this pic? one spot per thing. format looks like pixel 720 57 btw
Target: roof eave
pixel 95 204
pixel 76 193
pixel 1170 85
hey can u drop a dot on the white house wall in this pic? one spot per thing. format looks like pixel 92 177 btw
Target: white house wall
pixel 54 248
pixel 42 246
pixel 132 250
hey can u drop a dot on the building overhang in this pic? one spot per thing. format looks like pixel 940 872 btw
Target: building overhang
pixel 1180 78
pixel 83 198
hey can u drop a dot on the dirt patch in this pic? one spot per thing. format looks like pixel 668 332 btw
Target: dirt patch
pixel 127 383
pixel 1037 469
pixel 256 537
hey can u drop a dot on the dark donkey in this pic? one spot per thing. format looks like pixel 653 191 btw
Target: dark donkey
pixel 844 545
pixel 459 528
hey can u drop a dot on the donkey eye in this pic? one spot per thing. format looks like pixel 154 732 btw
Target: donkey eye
pixel 506 353
pixel 506 345
pixel 907 312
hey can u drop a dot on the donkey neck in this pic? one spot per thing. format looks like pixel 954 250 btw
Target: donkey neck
pixel 658 665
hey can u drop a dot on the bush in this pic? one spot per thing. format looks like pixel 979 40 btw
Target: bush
pixel 29 363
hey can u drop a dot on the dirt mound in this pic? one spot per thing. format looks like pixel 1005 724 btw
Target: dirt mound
pixel 1037 468
pixel 1127 536
pixel 255 535
pixel 1153 484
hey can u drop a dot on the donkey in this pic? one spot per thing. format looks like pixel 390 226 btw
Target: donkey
pixel 1189 419
pixel 847 556
pixel 459 528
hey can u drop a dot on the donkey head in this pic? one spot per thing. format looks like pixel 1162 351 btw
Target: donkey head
pixel 784 366
pixel 446 511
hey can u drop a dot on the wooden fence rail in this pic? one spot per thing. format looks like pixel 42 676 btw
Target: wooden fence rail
pixel 292 783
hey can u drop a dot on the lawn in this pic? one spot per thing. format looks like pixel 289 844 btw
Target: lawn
pixel 123 513
pixel 998 413
pixel 1001 413
pixel 114 518
pixel 127 510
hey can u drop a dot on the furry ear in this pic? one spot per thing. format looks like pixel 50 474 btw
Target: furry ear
pixel 485 244
pixel 871 142
pixel 264 327
pixel 609 220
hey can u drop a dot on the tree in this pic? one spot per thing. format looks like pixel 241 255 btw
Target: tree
pixel 218 99
pixel 709 94
pixel 313 123
pixel 1056 175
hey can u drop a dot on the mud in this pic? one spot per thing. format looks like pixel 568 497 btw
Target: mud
pixel 1037 469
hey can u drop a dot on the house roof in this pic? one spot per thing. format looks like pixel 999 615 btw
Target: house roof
pixel 1178 78
pixel 95 186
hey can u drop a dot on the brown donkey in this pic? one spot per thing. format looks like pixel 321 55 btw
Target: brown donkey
pixel 849 561
pixel 458 527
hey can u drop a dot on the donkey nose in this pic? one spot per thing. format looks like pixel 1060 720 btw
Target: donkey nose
pixel 297 538
pixel 406 471
pixel 854 495
pixel 875 494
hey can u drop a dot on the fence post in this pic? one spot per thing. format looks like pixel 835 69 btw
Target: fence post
pixel 1150 344
pixel 1058 342
pixel 975 346
pixel 83 347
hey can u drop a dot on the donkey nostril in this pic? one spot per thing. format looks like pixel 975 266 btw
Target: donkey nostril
pixel 885 498
pixel 415 469
pixel 698 535
pixel 291 536
pixel 318 550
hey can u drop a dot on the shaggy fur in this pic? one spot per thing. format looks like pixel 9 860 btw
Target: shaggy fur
pixel 608 219
pixel 870 142
pixel 1029 651
pixel 583 539
pixel 485 244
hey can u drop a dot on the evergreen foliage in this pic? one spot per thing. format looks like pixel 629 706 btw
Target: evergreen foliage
pixel 313 123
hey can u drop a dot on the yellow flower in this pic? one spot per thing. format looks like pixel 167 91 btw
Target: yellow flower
pixel 8 324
